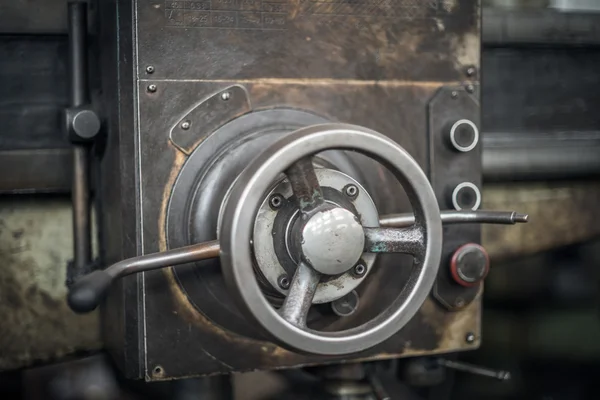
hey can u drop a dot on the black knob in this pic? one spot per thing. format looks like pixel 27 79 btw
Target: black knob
pixel 469 264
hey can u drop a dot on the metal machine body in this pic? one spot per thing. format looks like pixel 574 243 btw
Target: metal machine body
pixel 189 80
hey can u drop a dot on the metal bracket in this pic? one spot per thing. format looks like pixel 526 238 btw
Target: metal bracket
pixel 450 167
pixel 208 115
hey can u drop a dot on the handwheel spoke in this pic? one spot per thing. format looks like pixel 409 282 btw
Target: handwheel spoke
pixel 389 240
pixel 300 296
pixel 305 185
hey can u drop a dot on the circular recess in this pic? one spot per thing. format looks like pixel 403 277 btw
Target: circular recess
pixel 466 196
pixel 464 135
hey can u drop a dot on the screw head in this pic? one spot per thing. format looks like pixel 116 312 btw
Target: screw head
pixel 283 281
pixel 152 88
pixel 276 201
pixel 225 96
pixel 470 88
pixel 454 94
pixel 158 371
pixel 359 269
pixel 185 125
pixel 471 71
pixel 470 337
pixel 150 69
pixel 351 190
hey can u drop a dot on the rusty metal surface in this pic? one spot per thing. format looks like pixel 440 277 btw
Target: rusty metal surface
pixel 208 115
pixel 304 39
pixel 376 69
pixel 560 213
pixel 35 246
pixel 218 349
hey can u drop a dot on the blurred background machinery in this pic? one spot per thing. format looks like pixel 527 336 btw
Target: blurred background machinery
pixel 540 140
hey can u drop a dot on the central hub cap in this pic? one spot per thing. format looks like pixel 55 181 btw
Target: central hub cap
pixel 333 241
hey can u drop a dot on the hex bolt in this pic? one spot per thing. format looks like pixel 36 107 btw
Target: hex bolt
pixel 185 125
pixel 351 190
pixel 454 94
pixel 225 96
pixel 471 71
pixel 152 88
pixel 150 69
pixel 470 338
pixel 470 88
pixel 283 281
pixel 276 201
pixel 360 269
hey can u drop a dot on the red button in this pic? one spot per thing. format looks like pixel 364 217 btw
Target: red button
pixel 469 264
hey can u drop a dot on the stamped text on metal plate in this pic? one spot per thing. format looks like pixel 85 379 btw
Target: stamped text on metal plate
pixel 275 14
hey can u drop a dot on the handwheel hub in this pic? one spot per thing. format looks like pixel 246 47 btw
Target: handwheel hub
pixel 332 241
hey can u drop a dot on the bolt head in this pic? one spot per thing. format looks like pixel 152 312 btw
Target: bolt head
pixel 150 69
pixel 351 190
pixel 470 337
pixel 470 88
pixel 185 125
pixel 152 88
pixel 471 71
pixel 276 201
pixel 284 282
pixel 454 94
pixel 225 96
pixel 360 269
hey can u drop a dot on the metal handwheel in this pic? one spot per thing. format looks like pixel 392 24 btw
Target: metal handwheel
pixel 333 239
pixel 325 240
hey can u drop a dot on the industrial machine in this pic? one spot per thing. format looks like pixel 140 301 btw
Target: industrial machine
pixel 272 178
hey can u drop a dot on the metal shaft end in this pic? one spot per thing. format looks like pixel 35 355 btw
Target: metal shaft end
pixel 521 218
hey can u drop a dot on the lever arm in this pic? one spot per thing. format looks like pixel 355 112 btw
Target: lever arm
pixel 87 293
pixel 457 217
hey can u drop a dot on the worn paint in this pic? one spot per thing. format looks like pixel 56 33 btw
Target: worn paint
pixel 35 246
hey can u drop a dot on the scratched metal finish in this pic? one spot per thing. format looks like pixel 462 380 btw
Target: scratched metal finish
pixel 376 64
pixel 217 349
pixel 307 39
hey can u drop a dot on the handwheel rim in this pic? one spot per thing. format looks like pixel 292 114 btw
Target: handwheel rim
pixel 248 192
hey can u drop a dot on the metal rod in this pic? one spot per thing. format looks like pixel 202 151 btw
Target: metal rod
pixel 386 240
pixel 305 185
pixel 475 369
pixel 299 299
pixel 87 293
pixel 82 239
pixel 78 92
pixel 149 262
pixel 78 96
pixel 457 217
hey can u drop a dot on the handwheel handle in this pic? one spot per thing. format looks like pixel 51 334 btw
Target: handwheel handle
pixel 89 291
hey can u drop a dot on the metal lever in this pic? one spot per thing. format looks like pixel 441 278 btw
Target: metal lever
pixel 474 369
pixel 87 293
pixel 457 217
